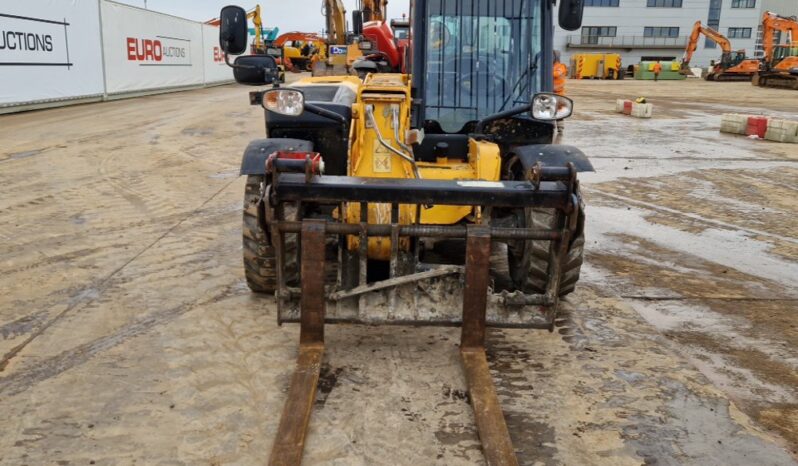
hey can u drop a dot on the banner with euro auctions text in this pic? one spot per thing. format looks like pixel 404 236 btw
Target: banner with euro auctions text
pixel 145 50
pixel 49 51
pixel 216 70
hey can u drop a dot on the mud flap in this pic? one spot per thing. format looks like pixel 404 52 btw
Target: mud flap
pixel 552 155
pixel 256 153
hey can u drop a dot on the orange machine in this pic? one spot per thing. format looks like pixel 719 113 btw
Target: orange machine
pixel 301 50
pixel 733 65
pixel 780 64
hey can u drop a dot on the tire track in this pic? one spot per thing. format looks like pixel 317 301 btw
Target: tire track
pixel 104 283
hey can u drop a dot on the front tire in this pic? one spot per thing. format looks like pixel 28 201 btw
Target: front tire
pixel 260 260
pixel 529 260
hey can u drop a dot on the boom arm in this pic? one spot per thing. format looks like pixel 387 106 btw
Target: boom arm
pixel 772 22
pixel 256 20
pixel 375 10
pixel 712 34
pixel 335 14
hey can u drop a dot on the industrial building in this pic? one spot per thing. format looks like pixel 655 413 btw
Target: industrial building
pixel 659 29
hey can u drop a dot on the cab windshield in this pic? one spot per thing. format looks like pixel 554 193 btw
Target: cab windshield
pixel 482 58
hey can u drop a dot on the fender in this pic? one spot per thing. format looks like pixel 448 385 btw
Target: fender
pixel 254 161
pixel 552 155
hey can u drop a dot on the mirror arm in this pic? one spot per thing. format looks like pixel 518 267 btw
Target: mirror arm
pixel 233 65
pixel 323 112
pixel 480 127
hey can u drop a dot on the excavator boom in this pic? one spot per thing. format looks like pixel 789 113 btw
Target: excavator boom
pixel 335 14
pixel 710 33
pixel 733 66
pixel 780 64
pixel 771 23
pixel 375 10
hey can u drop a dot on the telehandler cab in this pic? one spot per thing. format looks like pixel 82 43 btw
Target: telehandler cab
pixel 430 198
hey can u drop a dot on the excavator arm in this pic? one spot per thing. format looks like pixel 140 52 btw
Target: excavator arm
pixel 254 15
pixel 335 14
pixel 771 23
pixel 710 33
pixel 375 10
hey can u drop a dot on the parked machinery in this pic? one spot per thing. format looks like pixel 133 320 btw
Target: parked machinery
pixel 340 52
pixel 780 63
pixel 596 66
pixel 733 65
pixel 301 49
pixel 430 198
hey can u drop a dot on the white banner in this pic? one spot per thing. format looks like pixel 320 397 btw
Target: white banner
pixel 146 50
pixel 215 68
pixel 49 50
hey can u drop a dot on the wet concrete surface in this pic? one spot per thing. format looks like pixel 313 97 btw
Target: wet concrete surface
pixel 128 335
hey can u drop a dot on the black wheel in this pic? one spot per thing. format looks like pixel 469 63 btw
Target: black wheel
pixel 260 264
pixel 528 261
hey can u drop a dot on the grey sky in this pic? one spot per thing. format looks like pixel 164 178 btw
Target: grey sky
pixel 288 15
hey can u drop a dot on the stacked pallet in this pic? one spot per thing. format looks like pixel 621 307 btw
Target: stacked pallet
pixel 760 127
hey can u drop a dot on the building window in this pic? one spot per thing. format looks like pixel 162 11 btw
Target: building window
pixel 602 2
pixel 661 31
pixel 713 21
pixel 664 3
pixel 743 3
pixel 739 33
pixel 591 34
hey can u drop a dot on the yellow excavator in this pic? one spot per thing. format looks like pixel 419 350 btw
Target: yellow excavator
pixel 780 64
pixel 343 46
pixel 733 65
pixel 338 51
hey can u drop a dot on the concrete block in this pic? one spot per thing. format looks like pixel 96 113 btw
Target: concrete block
pixel 733 123
pixel 627 107
pixel 642 110
pixel 757 126
pixel 782 131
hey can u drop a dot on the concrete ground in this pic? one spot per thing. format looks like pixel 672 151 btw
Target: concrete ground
pixel 128 335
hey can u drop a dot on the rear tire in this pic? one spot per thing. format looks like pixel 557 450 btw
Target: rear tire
pixel 260 262
pixel 529 272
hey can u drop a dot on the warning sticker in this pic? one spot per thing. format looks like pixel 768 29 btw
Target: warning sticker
pixel 481 184
pixel 381 160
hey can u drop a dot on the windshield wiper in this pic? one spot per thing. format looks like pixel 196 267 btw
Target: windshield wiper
pixel 532 68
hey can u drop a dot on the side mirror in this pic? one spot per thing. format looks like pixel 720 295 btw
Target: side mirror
pixel 570 14
pixel 233 30
pixel 255 70
pixel 357 22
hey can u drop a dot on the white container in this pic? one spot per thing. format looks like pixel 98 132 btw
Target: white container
pixel 642 110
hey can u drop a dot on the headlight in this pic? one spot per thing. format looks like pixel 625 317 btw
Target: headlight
pixel 290 102
pixel 551 107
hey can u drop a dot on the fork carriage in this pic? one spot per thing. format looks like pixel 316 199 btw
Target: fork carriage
pixel 412 290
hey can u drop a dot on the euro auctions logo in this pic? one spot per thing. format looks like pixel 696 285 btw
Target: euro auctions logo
pixel 159 51
pixel 28 41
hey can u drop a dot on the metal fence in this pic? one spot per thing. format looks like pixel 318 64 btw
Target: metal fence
pixel 626 42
